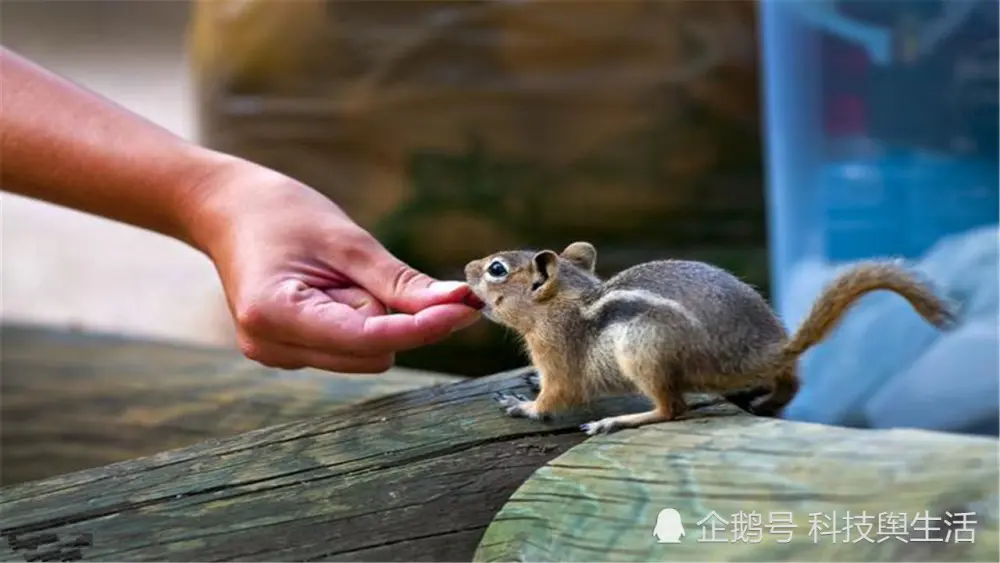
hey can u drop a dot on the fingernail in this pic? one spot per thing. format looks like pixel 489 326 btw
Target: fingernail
pixel 466 323
pixel 447 286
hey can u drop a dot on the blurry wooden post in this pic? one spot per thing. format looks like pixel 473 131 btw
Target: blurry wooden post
pixel 441 474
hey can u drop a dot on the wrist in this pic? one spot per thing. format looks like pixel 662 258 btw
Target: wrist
pixel 226 193
pixel 201 208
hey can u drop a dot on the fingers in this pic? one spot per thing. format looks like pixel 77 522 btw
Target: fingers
pixel 284 356
pixel 398 285
pixel 410 331
pixel 358 299
pixel 303 317
pixel 427 326
pixel 337 328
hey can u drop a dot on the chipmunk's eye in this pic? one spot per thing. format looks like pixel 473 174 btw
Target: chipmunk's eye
pixel 496 269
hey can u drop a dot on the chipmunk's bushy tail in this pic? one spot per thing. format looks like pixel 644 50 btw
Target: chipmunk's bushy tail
pixel 837 297
pixel 853 284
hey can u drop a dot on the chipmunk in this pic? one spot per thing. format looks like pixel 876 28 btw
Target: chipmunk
pixel 661 328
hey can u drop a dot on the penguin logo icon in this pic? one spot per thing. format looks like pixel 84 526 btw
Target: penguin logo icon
pixel 668 528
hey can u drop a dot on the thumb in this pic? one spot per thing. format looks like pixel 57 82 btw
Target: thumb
pixel 402 287
pixel 409 291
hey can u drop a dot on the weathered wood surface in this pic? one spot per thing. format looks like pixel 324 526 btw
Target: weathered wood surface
pixel 73 401
pixel 600 501
pixel 415 476
pixel 419 476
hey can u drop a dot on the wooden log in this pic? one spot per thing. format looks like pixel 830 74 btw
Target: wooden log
pixel 414 476
pixel 72 401
pixel 735 480
pixel 420 475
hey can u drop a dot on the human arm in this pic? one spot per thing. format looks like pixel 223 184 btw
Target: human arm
pixel 305 284
pixel 66 145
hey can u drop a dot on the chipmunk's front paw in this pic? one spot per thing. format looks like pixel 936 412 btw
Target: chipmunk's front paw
pixel 519 406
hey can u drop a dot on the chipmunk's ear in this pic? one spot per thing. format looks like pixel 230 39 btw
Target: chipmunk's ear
pixel 582 254
pixel 544 265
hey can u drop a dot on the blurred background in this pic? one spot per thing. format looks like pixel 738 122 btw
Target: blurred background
pixel 448 129
pixel 68 269
pixel 779 139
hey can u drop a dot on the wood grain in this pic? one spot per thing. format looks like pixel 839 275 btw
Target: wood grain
pixel 600 500
pixel 420 475
pixel 414 476
pixel 72 401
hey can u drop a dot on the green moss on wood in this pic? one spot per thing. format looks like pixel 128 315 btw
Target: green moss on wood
pixel 600 500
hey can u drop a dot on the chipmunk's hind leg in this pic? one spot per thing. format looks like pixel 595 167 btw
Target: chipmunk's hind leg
pixel 786 386
pixel 657 378
pixel 534 381
pixel 616 423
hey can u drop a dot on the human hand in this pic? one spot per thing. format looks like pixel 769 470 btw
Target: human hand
pixel 305 284
pixel 307 287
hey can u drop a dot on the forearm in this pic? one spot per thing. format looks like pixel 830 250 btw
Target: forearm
pixel 63 144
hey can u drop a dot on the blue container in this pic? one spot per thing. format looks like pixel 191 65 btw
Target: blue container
pixel 881 134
